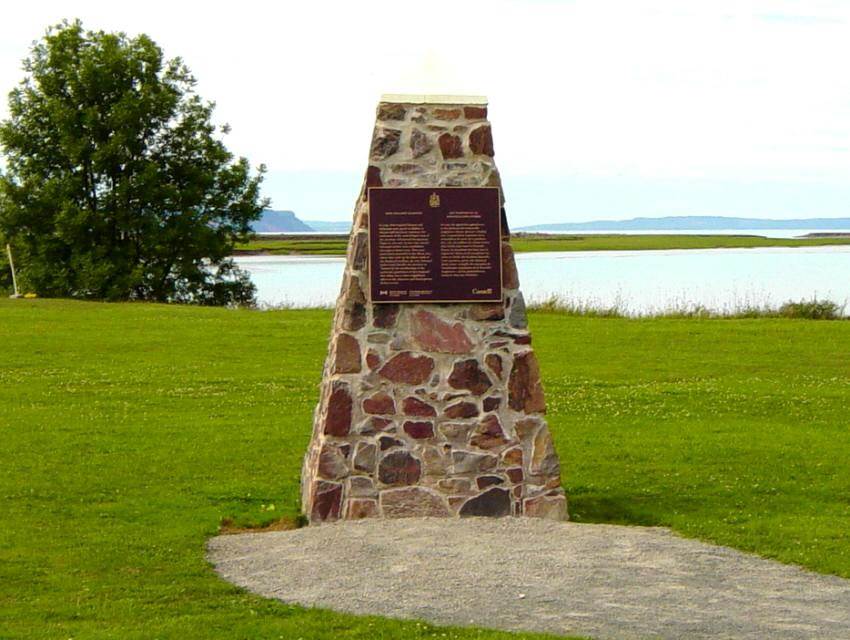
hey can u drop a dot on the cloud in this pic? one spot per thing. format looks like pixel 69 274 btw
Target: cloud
pixel 653 90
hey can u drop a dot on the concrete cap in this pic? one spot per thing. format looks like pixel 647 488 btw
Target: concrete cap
pixel 412 98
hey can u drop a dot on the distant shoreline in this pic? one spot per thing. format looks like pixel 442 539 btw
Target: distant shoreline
pixel 828 234
pixel 695 224
pixel 322 244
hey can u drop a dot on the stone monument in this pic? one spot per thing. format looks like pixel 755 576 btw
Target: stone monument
pixel 431 402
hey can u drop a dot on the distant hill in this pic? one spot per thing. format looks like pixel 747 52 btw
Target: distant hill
pixel 279 222
pixel 692 223
pixel 329 226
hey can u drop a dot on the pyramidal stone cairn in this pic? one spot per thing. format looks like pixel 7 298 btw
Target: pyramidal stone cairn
pixel 430 408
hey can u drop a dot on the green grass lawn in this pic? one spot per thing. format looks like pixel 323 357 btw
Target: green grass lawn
pixel 130 431
pixel 336 245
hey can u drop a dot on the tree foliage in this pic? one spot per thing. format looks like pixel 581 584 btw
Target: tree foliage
pixel 117 184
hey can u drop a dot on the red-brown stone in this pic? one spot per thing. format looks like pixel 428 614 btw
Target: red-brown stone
pixel 373 360
pixel 347 354
pixel 494 362
pixel 491 404
pixel 365 457
pixel 391 111
pixel 489 434
pixel 407 168
pixel 481 140
pixel 338 417
pixel 487 311
pixel 384 315
pixel 360 487
pixel 554 482
pixel 412 502
pixel 461 410
pixel 332 464
pixel 373 178
pixel 467 374
pixel 454 485
pixel 494 502
pixel 419 430
pixel 436 335
pixel 469 462
pixel 456 432
pixel 525 392
pixel 526 428
pixel 359 509
pixel 544 459
pixel 475 113
pixel 548 507
pixel 420 143
pixel 399 467
pixel 408 368
pixel 456 502
pixel 388 442
pixel 380 404
pixel 515 474
pixel 384 143
pixel 512 457
pixel 381 424
pixel 446 114
pixel 518 317
pixel 416 407
pixel 510 279
pixel 450 146
pixel 326 499
pixel 361 252
pixel 354 313
pixel 436 463
pixel 495 180
pixel 488 481
pixel 509 333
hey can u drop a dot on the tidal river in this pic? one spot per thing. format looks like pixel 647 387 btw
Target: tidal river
pixel 636 282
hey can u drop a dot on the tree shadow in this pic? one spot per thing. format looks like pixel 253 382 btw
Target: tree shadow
pixel 612 509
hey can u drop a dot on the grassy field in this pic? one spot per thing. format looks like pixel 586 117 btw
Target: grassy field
pixel 335 245
pixel 131 431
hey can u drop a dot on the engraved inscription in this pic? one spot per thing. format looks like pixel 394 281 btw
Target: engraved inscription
pixel 403 253
pixel 438 245
pixel 464 251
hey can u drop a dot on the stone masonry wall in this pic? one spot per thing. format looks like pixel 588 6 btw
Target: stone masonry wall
pixel 429 409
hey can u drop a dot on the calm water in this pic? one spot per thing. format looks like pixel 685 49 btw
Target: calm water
pixel 768 233
pixel 636 281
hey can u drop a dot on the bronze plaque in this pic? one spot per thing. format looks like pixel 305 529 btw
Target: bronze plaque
pixel 435 245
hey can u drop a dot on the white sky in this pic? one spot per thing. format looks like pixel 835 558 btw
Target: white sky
pixel 648 92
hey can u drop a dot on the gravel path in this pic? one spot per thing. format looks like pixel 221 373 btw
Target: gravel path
pixel 528 574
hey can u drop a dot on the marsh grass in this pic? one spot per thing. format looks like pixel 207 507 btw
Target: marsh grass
pixel 336 244
pixel 813 310
pixel 806 309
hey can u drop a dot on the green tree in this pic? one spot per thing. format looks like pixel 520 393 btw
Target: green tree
pixel 117 184
pixel 5 272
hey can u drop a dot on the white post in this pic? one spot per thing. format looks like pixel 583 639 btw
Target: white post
pixel 12 266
